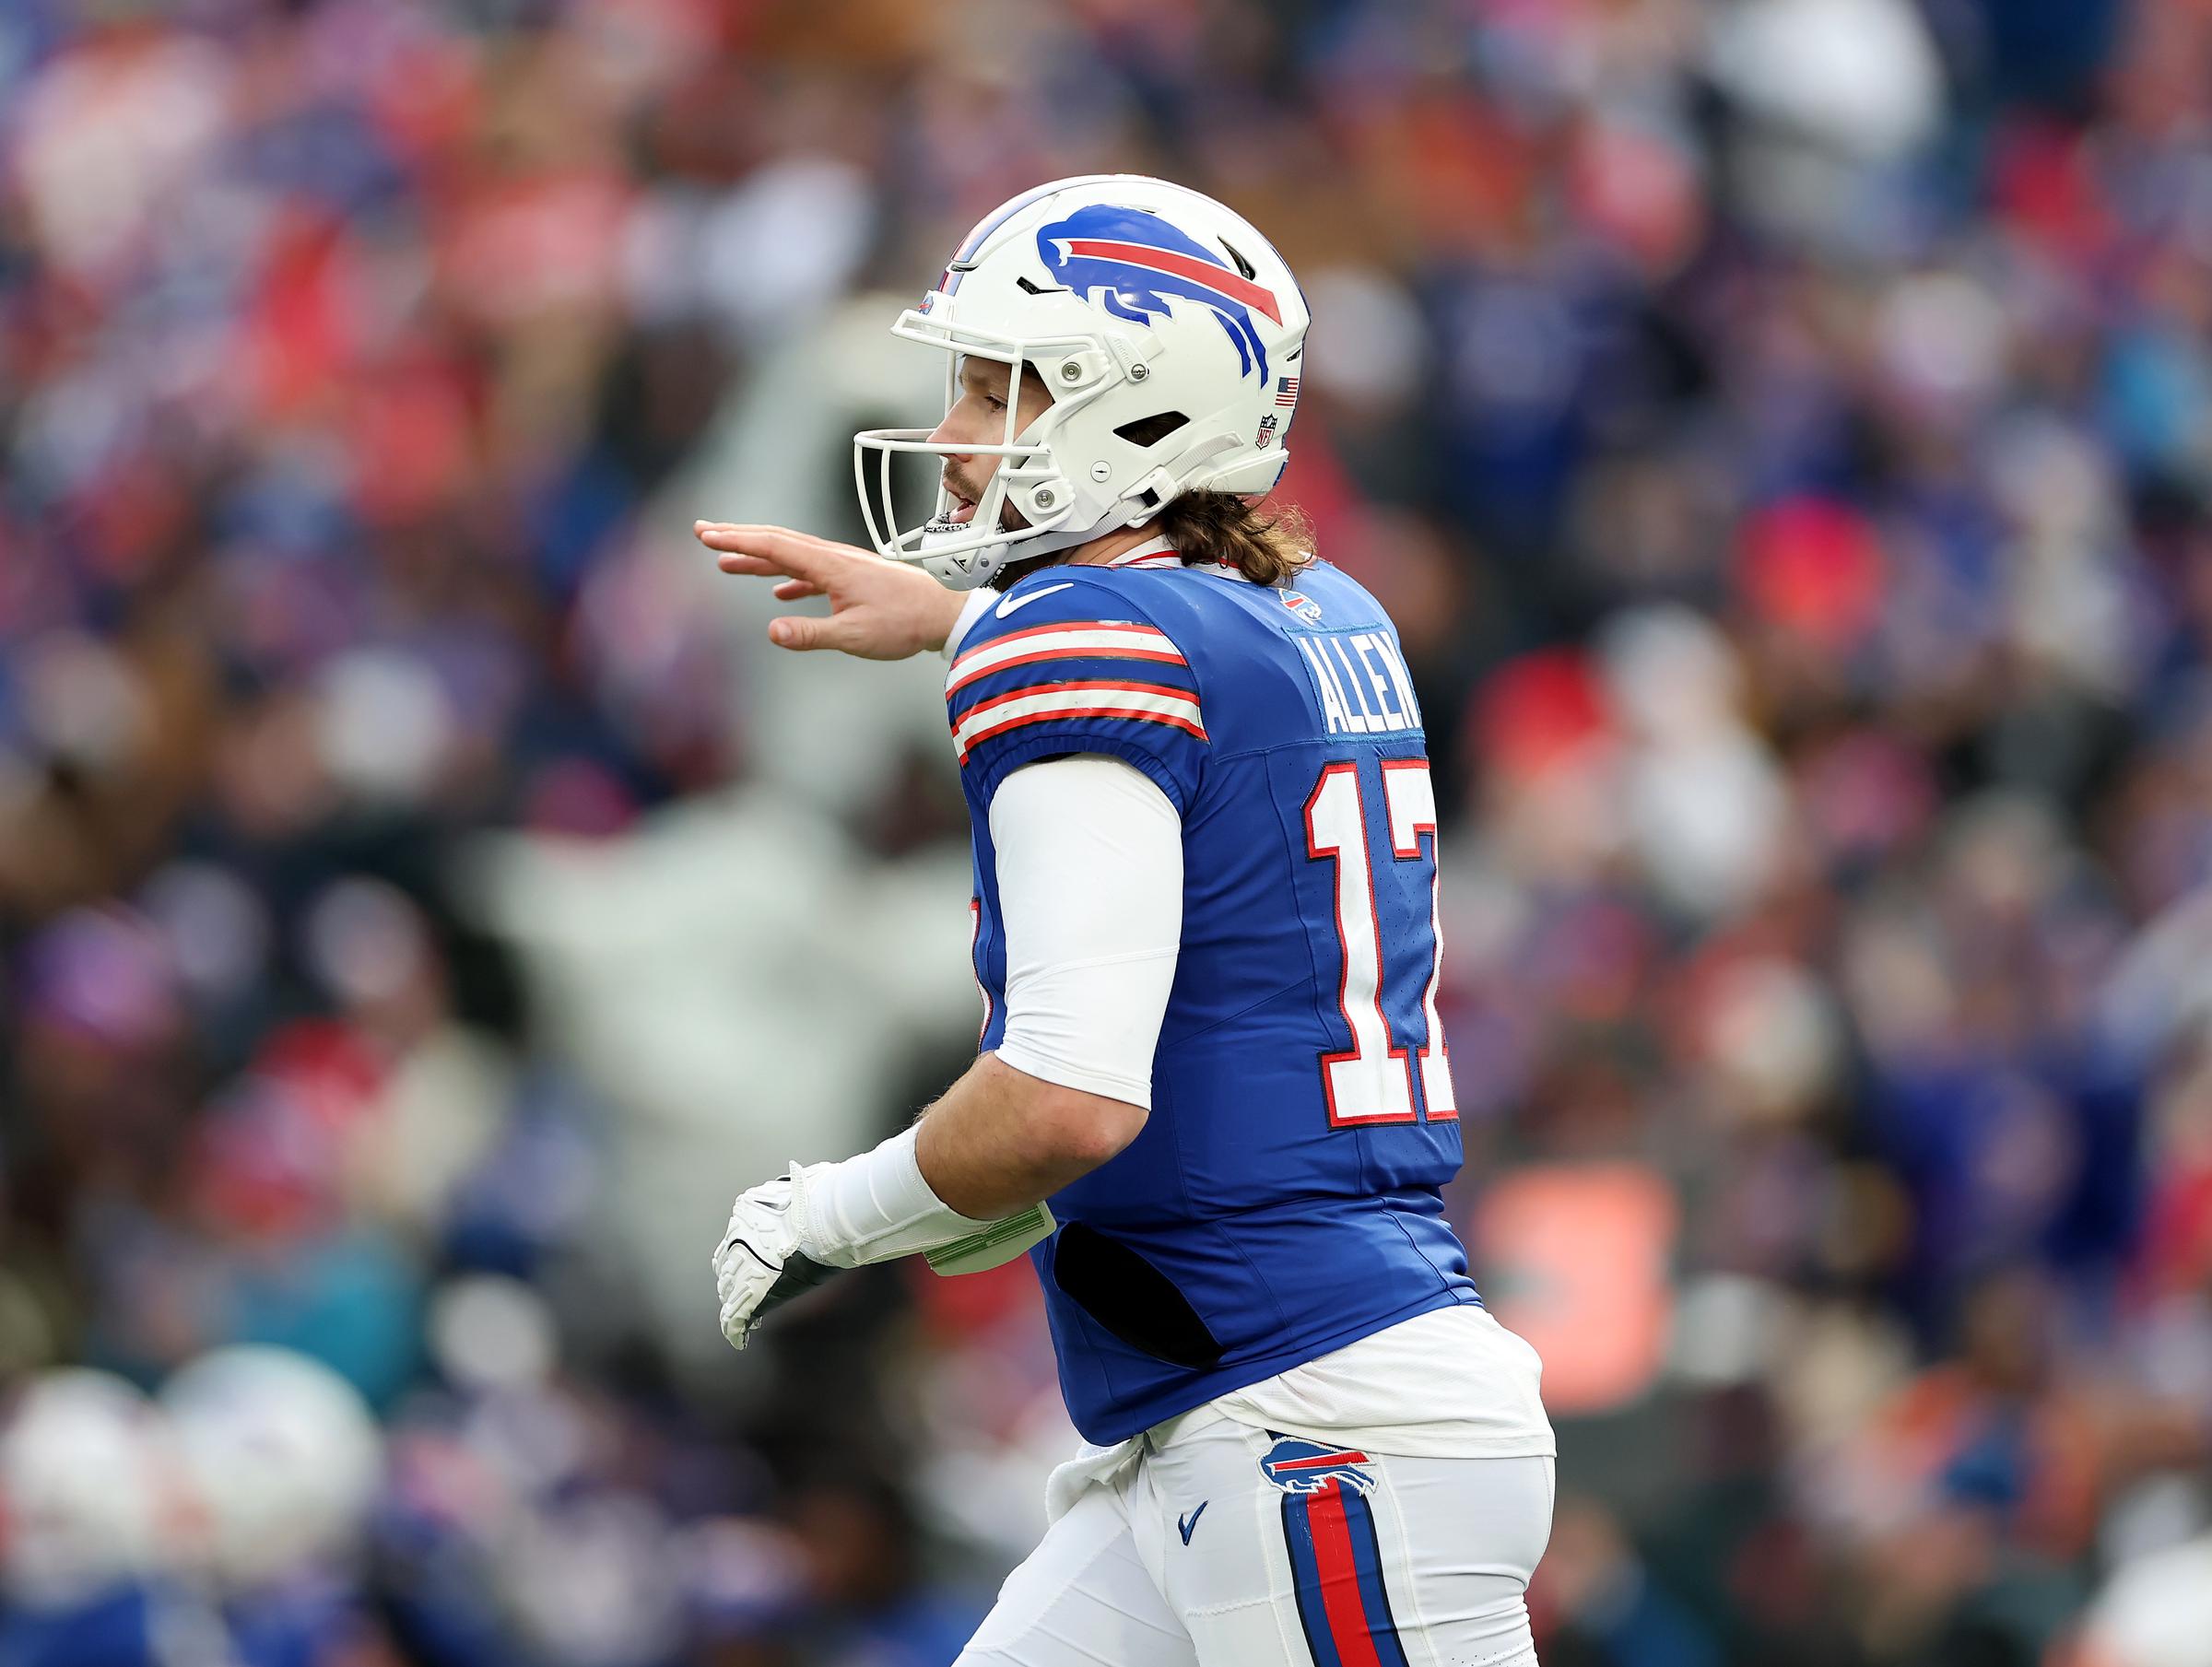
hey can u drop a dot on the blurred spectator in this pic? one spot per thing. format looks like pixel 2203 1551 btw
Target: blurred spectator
pixel 1783 431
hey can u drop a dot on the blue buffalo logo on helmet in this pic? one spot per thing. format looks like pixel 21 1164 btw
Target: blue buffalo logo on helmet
pixel 1130 262
pixel 1299 1466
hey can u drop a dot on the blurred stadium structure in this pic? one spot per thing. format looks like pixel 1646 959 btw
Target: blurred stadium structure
pixel 1782 430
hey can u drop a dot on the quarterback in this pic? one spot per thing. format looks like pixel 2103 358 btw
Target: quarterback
pixel 1212 1099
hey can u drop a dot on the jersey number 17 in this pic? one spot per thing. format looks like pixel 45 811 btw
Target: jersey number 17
pixel 1372 1082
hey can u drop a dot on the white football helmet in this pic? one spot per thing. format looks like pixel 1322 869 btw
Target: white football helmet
pixel 1134 299
pixel 284 1458
pixel 89 1489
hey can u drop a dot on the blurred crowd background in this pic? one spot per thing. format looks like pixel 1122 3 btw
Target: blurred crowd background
pixel 1782 430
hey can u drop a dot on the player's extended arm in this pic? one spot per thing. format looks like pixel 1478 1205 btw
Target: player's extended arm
pixel 879 609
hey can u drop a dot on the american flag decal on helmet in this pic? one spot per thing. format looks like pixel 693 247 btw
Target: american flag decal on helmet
pixel 1286 391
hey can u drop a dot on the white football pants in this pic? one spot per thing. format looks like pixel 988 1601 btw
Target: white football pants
pixel 1221 1546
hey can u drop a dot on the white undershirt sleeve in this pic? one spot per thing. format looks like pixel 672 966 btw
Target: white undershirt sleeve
pixel 1091 898
pixel 980 598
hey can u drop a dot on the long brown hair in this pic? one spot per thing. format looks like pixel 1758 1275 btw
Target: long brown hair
pixel 1219 529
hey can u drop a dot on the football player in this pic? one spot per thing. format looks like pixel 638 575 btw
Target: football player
pixel 1205 930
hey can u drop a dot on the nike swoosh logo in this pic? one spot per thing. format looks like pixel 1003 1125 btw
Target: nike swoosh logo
pixel 1185 1524
pixel 1011 602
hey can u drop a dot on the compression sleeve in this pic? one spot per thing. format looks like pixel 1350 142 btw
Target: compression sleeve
pixel 1091 893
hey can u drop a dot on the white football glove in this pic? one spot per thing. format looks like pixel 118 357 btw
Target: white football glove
pixel 788 1235
pixel 759 1265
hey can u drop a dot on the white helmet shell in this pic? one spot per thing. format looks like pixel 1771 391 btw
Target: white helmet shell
pixel 88 1488
pixel 1134 299
pixel 284 1457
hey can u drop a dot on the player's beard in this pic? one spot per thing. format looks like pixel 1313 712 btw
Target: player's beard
pixel 1010 518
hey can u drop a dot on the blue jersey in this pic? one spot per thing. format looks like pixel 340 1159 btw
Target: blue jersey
pixel 1282 1200
pixel 119 1628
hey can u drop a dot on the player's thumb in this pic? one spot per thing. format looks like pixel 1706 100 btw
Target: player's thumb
pixel 799 632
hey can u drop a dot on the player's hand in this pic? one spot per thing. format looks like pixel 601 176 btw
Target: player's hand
pixel 759 1265
pixel 879 609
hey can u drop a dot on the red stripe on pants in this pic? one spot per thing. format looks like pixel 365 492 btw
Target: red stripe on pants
pixel 1340 1578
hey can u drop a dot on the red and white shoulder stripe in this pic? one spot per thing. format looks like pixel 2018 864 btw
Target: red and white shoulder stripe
pixel 1087 697
pixel 1083 639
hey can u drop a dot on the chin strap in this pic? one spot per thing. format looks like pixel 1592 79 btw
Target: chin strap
pixel 1064 538
pixel 983 565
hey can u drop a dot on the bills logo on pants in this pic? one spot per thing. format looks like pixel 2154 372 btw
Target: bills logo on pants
pixel 1335 1557
pixel 1299 1466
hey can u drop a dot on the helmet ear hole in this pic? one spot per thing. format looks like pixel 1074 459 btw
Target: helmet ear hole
pixel 1149 431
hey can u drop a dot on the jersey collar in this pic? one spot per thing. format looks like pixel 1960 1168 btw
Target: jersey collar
pixel 1159 553
pixel 1154 552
